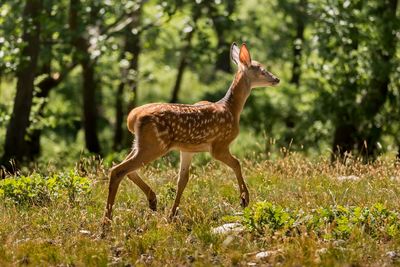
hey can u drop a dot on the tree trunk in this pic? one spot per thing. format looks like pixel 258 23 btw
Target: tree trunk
pixel 377 95
pixel 45 58
pixel 45 86
pixel 223 62
pixel 344 141
pixel 89 107
pixel 346 129
pixel 33 143
pixel 119 115
pixel 345 137
pixel 184 60
pixel 179 76
pixel 398 154
pixel 133 48
pixel 298 42
pixel 129 77
pixel 15 144
pixel 222 25
pixel 82 55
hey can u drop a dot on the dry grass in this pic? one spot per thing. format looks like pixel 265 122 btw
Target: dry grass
pixel 66 233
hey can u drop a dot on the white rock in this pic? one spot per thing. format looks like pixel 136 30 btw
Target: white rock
pixel 392 254
pixel 84 232
pixel 262 255
pixel 228 228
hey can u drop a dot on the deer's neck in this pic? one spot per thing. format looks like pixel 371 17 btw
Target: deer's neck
pixel 237 94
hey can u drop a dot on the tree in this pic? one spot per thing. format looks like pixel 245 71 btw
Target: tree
pixel 223 26
pixel 189 31
pixel 294 21
pixel 129 74
pixel 357 68
pixel 338 47
pixel 15 144
pixel 382 54
pixel 300 20
pixel 81 43
pixel 51 78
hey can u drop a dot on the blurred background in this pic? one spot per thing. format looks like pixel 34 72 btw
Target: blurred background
pixel 70 71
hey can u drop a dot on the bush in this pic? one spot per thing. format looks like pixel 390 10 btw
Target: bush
pixel 266 215
pixel 38 190
pixel 334 222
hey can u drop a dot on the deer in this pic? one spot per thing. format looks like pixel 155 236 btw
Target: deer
pixel 202 127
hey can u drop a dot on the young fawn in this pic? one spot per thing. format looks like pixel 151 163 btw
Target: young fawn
pixel 202 127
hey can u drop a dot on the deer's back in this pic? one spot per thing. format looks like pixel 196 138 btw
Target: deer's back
pixel 187 127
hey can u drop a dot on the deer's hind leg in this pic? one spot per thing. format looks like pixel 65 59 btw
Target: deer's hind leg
pixel 151 196
pixel 135 178
pixel 118 172
pixel 145 152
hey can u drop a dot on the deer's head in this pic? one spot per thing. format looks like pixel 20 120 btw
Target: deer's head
pixel 255 71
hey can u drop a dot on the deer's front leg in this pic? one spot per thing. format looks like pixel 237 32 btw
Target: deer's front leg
pixel 224 155
pixel 186 159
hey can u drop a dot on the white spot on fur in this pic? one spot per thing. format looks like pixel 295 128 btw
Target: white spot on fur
pixel 162 133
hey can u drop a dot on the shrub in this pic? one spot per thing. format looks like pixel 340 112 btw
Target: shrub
pixel 265 214
pixel 334 222
pixel 38 190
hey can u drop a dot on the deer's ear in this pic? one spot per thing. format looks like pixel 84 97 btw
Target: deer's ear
pixel 235 53
pixel 244 56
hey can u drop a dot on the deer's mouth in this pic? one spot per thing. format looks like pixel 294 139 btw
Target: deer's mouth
pixel 276 81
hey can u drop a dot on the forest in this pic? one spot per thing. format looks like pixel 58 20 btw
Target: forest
pixel 71 70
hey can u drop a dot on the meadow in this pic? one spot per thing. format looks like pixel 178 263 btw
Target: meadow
pixel 70 71
pixel 302 212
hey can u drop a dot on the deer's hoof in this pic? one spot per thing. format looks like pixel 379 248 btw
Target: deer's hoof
pixel 173 213
pixel 103 234
pixel 153 204
pixel 105 228
pixel 244 200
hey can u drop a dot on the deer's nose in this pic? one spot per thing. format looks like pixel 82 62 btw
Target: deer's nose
pixel 277 80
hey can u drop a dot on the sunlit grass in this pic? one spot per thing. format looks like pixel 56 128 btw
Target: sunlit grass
pixel 65 232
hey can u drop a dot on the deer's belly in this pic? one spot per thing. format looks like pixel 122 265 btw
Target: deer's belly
pixel 185 147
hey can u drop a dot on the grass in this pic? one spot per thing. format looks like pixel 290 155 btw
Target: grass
pixel 64 231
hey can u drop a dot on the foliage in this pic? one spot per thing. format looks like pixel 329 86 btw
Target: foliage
pixel 348 56
pixel 266 214
pixel 356 46
pixel 334 222
pixel 40 191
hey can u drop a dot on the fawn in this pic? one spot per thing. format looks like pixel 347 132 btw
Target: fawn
pixel 202 127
